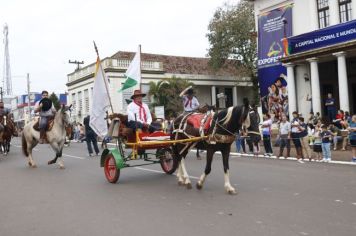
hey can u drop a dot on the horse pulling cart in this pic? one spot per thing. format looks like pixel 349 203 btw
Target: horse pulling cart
pixel 140 146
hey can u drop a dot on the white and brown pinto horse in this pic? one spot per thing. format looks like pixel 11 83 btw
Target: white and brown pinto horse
pixel 56 137
pixel 221 133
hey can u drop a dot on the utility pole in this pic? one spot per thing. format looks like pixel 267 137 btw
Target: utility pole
pixel 76 62
pixel 28 97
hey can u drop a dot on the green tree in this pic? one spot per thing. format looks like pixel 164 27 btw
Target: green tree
pixel 232 36
pixel 55 101
pixel 166 93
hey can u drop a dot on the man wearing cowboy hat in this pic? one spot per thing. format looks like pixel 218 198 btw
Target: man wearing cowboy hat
pixel 190 102
pixel 45 114
pixel 140 110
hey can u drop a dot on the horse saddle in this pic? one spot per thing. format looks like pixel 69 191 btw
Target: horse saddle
pixel 200 121
pixel 49 126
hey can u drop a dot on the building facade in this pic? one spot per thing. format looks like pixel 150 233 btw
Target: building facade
pixel 208 83
pixel 321 53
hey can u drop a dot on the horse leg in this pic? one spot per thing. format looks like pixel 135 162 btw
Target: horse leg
pixel 61 162
pixel 186 179
pixel 228 188
pixel 58 151
pixel 209 160
pixel 180 174
pixel 31 162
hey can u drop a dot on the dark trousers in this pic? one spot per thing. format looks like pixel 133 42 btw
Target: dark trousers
pixel 132 124
pixel 91 138
pixel 331 115
pixel 285 142
pixel 267 143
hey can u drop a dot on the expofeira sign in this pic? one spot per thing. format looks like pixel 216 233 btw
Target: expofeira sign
pixel 322 38
pixel 273 27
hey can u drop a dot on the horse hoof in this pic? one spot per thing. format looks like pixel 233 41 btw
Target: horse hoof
pixel 189 186
pixel 34 166
pixel 180 183
pixel 51 162
pixel 29 164
pixel 61 167
pixel 232 192
pixel 199 186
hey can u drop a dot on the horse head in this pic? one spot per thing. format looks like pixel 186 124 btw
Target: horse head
pixel 63 116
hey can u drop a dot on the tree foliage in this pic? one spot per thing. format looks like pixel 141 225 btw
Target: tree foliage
pixel 55 101
pixel 166 93
pixel 232 36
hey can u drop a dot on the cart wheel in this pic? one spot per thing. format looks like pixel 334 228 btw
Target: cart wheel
pixel 167 161
pixel 112 173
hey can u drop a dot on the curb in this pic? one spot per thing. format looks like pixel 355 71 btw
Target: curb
pixel 275 157
pixel 289 158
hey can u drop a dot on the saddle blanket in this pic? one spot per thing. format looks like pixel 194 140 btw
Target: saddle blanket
pixel 195 120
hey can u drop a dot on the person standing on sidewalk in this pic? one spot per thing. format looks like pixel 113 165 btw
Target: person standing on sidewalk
pixel 304 138
pixel 284 135
pixel 266 132
pixel 352 137
pixel 295 134
pixel 325 135
pixel 90 137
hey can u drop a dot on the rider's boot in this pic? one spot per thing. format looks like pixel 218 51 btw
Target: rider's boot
pixel 42 136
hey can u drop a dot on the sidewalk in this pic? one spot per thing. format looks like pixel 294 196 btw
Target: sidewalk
pixel 337 156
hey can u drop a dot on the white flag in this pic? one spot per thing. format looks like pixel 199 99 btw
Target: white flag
pixel 133 73
pixel 101 101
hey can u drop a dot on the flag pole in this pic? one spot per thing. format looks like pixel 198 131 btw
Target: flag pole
pixel 139 49
pixel 105 82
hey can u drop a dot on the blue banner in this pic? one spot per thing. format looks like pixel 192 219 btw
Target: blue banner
pixel 325 37
pixel 273 26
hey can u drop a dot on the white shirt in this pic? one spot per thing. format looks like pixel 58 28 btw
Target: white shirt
pixel 268 124
pixel 190 105
pixel 133 109
pixel 284 128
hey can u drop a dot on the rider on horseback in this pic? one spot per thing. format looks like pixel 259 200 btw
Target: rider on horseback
pixel 3 110
pixel 45 114
pixel 190 102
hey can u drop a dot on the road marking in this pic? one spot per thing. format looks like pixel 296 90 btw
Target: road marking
pixel 159 171
pixel 35 149
pixel 82 158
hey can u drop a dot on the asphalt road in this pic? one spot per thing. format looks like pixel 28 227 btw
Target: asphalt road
pixel 276 197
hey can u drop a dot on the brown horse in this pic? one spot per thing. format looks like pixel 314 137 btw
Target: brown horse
pixel 221 134
pixel 9 130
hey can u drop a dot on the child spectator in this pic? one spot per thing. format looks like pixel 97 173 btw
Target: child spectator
pixel 317 143
pixel 325 136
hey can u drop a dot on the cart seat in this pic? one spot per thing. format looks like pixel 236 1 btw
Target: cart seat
pixel 155 136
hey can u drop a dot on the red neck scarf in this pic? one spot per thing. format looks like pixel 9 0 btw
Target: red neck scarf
pixel 188 102
pixel 142 110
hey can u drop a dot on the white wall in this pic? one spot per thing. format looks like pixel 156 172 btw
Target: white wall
pixel 303 88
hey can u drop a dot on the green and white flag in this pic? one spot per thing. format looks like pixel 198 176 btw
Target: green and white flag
pixel 133 73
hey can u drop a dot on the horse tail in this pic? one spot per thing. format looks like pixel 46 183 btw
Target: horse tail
pixel 24 145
